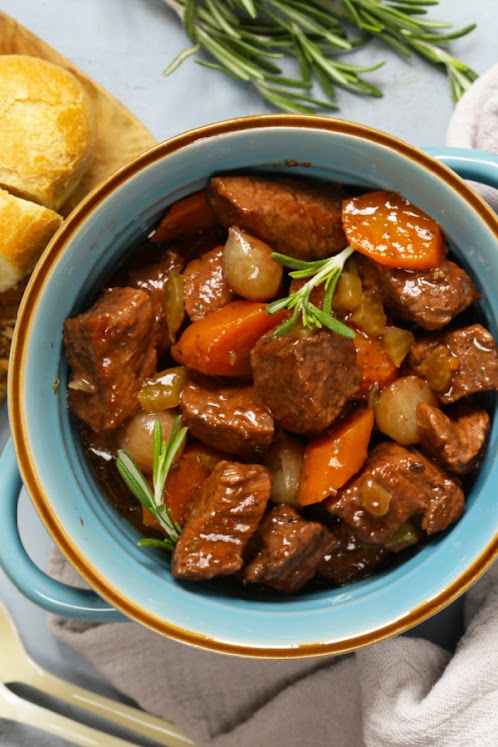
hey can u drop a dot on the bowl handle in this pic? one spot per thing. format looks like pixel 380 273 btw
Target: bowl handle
pixel 32 582
pixel 475 165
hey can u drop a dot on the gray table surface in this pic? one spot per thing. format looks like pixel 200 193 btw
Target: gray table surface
pixel 125 45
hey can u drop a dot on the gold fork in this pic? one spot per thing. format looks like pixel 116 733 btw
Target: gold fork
pixel 17 666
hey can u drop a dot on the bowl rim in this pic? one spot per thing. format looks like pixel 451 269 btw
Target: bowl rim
pixel 26 464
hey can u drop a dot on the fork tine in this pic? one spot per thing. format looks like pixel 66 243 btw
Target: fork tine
pixel 24 669
pixel 14 708
pixel 149 726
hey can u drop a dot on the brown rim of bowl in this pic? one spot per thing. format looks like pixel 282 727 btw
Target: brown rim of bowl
pixel 17 416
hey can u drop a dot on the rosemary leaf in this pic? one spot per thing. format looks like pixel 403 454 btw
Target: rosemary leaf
pixel 354 13
pixel 219 68
pixel 297 264
pixel 134 479
pixel 330 286
pixel 303 97
pixel 399 46
pixel 157 543
pixel 325 83
pixel 282 80
pixel 284 103
pixel 404 20
pixel 164 455
pixel 304 65
pixel 411 10
pixel 445 38
pixel 225 25
pixel 189 18
pixel 288 325
pixel 248 6
pixel 417 3
pixel 181 57
pixel 291 98
pixel 332 323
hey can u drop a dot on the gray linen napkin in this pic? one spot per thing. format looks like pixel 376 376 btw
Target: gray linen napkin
pixel 406 692
pixel 475 123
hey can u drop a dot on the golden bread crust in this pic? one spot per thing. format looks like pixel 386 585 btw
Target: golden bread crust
pixel 25 228
pixel 47 130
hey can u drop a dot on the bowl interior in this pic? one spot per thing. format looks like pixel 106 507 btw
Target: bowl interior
pixel 97 540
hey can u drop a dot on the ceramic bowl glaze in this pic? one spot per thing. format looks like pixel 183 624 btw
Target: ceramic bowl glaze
pixel 131 582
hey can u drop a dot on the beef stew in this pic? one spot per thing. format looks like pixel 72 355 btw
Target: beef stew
pixel 293 389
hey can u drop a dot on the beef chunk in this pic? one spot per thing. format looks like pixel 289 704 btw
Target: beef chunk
pixel 290 550
pixel 430 298
pixel 230 418
pixel 152 279
pixel 350 558
pixel 415 486
pixel 305 381
pixel 111 351
pixel 472 358
pixel 456 444
pixel 296 216
pixel 224 517
pixel 204 286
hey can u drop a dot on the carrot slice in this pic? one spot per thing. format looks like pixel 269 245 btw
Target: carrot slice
pixel 220 343
pixel 332 458
pixel 390 230
pixel 372 359
pixel 186 217
pixel 182 482
pixel 149 521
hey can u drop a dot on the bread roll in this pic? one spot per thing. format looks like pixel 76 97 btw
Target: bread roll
pixel 25 230
pixel 47 130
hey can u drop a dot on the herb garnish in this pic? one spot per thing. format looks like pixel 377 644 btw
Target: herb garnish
pixel 153 500
pixel 245 37
pixel 320 271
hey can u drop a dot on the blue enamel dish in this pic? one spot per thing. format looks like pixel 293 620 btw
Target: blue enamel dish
pixel 133 583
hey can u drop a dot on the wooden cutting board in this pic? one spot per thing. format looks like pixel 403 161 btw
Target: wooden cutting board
pixel 120 137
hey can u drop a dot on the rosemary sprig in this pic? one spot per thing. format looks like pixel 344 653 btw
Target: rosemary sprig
pixel 245 38
pixel 241 44
pixel 398 25
pixel 320 271
pixel 153 500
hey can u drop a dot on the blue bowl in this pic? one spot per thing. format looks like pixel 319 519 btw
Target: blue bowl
pixel 132 583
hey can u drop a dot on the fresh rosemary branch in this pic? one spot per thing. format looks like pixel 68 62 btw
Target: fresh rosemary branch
pixel 245 38
pixel 153 500
pixel 396 23
pixel 320 271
